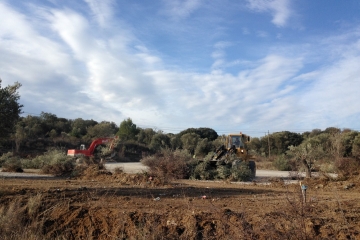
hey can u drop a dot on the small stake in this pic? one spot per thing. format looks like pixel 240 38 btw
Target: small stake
pixel 303 191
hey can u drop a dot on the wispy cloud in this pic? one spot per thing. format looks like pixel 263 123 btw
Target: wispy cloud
pixel 102 10
pixel 178 9
pixel 279 9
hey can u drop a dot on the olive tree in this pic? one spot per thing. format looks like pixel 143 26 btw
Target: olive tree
pixel 306 154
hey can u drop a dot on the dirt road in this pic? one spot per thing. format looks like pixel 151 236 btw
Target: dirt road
pixel 138 167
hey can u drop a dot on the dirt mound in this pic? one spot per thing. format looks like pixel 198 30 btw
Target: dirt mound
pixel 96 172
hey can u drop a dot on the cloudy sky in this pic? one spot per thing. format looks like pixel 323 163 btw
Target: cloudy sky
pixel 247 65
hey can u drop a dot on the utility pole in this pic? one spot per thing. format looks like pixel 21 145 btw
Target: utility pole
pixel 269 142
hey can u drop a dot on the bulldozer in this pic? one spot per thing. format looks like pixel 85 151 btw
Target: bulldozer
pixel 234 152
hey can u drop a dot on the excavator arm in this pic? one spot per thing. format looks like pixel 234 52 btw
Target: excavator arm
pixel 90 151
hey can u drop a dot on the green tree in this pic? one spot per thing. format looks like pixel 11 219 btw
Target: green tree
pixel 33 127
pixel 255 145
pixel 176 142
pixel 127 130
pixel 10 109
pixel 48 121
pixel 160 141
pixel 190 141
pixel 208 133
pixel 103 129
pixel 79 127
pixel 145 135
pixel 306 154
pixel 203 147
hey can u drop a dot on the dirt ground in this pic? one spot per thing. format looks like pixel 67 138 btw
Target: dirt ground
pixel 131 206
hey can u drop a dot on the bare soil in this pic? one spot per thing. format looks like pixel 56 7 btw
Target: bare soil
pixel 102 205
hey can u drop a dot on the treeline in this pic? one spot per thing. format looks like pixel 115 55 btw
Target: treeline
pixel 328 150
pixel 48 130
pixel 342 143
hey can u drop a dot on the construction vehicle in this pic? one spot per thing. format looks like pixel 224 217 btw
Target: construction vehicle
pixel 234 151
pixel 91 150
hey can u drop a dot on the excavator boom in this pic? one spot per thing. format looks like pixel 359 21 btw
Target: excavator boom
pixel 90 151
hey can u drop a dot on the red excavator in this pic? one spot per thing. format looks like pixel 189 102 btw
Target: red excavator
pixel 90 151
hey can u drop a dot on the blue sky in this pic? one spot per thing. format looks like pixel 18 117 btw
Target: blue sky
pixel 246 65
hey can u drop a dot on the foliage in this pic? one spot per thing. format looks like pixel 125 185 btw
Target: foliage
pixel 168 164
pixel 279 143
pixel 204 171
pixel 281 163
pixel 5 157
pixel 234 171
pixel 159 141
pixel 306 154
pixel 127 130
pixel 103 129
pixel 175 142
pixel 223 171
pixel 208 133
pixel 203 147
pixel 347 167
pixel 189 141
pixel 145 135
pixel 54 162
pixel 355 151
pixel 10 163
pixel 10 108
pixel 79 127
pixel 241 172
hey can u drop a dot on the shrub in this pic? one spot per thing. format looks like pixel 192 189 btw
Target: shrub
pixel 223 171
pixel 241 172
pixel 54 162
pixel 347 166
pixel 168 164
pixel 5 157
pixel 282 164
pixel 204 171
pixel 12 164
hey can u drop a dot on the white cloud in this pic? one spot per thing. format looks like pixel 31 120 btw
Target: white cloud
pixel 279 9
pixel 179 9
pixel 102 10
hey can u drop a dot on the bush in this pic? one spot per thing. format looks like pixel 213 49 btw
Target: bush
pixel 5 157
pixel 204 171
pixel 223 171
pixel 12 164
pixel 54 162
pixel 168 164
pixel 241 172
pixel 347 167
pixel 282 164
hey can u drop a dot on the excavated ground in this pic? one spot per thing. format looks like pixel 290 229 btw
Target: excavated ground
pixel 124 206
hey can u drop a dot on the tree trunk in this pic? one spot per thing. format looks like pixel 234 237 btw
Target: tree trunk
pixel 307 168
